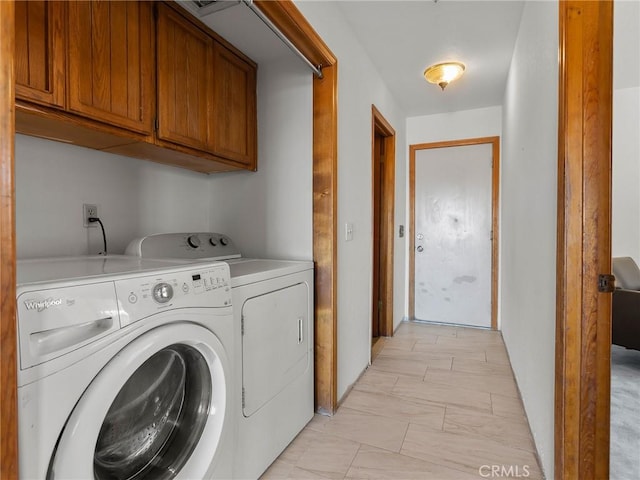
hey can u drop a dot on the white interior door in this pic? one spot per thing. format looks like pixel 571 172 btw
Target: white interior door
pixel 453 234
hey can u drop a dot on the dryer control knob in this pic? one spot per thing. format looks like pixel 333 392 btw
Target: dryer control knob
pixel 212 242
pixel 162 292
pixel 224 242
pixel 193 241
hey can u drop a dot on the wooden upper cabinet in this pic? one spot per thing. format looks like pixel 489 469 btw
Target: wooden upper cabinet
pixel 111 74
pixel 40 52
pixel 234 107
pixel 206 91
pixel 110 59
pixel 185 89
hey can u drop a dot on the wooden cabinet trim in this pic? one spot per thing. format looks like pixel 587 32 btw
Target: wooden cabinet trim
pixel 290 21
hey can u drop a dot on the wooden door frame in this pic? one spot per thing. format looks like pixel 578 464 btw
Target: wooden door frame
pixel 380 126
pixel 291 22
pixel 8 345
pixel 495 215
pixel 583 322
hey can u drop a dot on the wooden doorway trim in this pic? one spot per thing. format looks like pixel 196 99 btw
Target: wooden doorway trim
pixel 495 215
pixel 382 128
pixel 583 327
pixel 8 379
pixel 297 29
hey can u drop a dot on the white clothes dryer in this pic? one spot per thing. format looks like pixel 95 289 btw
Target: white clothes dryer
pixel 125 369
pixel 273 313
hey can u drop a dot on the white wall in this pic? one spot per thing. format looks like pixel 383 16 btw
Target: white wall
pixel 134 198
pixel 625 224
pixel 359 86
pixel 528 224
pixel 480 122
pixel 269 213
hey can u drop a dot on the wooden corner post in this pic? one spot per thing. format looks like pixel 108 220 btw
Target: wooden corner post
pixel 583 331
pixel 8 404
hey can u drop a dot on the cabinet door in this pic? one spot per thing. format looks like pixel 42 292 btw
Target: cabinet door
pixel 234 107
pixel 185 64
pixel 111 63
pixel 40 44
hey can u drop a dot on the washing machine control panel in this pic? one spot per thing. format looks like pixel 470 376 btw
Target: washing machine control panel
pixel 208 286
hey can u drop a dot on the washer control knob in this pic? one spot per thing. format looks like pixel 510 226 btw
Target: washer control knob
pixel 212 242
pixel 193 241
pixel 224 242
pixel 162 292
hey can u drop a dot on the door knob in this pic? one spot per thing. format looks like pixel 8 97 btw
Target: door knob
pixel 420 249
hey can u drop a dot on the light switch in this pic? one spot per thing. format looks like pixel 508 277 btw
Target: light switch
pixel 348 231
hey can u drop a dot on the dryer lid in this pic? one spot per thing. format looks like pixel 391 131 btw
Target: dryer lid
pixel 251 270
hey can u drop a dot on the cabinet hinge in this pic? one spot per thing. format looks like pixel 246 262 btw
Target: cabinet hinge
pixel 606 283
pixel 156 124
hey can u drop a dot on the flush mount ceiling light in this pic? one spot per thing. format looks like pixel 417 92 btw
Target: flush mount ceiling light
pixel 444 73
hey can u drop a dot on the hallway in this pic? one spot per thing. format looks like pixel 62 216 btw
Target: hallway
pixel 439 402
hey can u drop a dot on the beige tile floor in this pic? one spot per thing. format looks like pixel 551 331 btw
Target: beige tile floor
pixel 439 402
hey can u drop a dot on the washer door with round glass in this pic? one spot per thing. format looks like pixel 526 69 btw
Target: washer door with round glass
pixel 156 411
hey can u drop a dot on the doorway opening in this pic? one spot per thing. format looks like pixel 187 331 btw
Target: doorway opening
pixel 453 279
pixel 383 148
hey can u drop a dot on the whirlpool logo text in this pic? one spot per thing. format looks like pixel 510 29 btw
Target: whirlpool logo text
pixel 42 305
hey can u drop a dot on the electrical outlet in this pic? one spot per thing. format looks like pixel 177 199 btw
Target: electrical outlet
pixel 89 210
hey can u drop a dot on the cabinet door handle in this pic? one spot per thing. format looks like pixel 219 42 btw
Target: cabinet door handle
pixel 300 330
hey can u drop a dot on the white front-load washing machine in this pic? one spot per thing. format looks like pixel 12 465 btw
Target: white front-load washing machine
pixel 273 312
pixel 125 369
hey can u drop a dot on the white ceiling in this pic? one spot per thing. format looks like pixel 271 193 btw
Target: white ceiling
pixel 402 37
